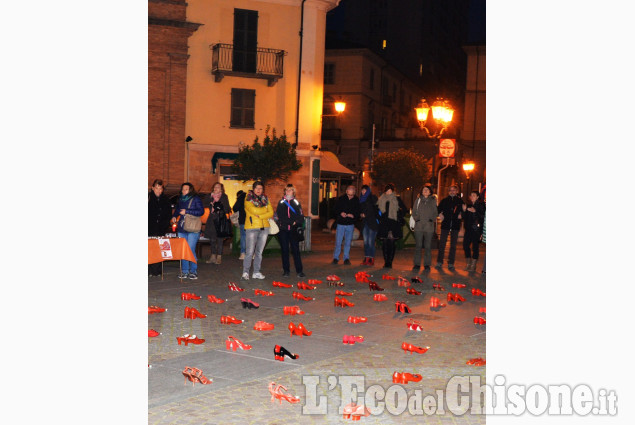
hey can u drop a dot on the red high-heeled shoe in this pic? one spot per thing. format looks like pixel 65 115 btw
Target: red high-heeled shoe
pixel 281 285
pixel 481 309
pixel 401 307
pixel 263 326
pixel 407 377
pixel 247 303
pixel 357 319
pixel 343 302
pixel 397 378
pixel 189 339
pixel 233 287
pixel 476 362
pixel 479 320
pixel 413 348
pixel 279 353
pixel 302 285
pixel 314 282
pixel 227 320
pixel 195 375
pixel 276 393
pixel 352 339
pixel 436 303
pixel 292 310
pixel 412 291
pixel 380 297
pixel 192 313
pixel 299 296
pixel 263 293
pixel 372 286
pixel 332 278
pixel 153 333
pixel 414 326
pixel 388 277
pixel 213 299
pixel 342 293
pixel 189 296
pixel 437 287
pixel 234 343
pixel 362 277
pixel 154 309
pixel 477 292
pixel 458 285
pixel 303 330
pixel 403 282
pixel 293 329
pixel 416 279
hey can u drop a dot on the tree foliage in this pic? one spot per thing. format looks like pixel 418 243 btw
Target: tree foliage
pixel 404 168
pixel 274 159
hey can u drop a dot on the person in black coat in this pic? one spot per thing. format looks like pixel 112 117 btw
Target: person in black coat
pixel 347 211
pixel 159 214
pixel 239 206
pixel 391 211
pixel 289 216
pixel 473 218
pixel 218 204
pixel 450 209
pixel 368 206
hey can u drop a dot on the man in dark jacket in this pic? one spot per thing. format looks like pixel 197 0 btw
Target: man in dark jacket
pixel 159 214
pixel 347 210
pixel 450 210
pixel 239 206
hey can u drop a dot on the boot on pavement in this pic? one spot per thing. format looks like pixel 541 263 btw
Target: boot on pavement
pixel 218 258
pixel 211 259
pixel 473 265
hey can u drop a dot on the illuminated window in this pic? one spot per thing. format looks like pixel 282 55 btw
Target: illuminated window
pixel 383 44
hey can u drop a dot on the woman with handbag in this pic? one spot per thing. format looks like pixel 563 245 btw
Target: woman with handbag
pixel 188 211
pixel 391 211
pixel 473 216
pixel 159 214
pixel 424 214
pixel 218 227
pixel 258 211
pixel 290 218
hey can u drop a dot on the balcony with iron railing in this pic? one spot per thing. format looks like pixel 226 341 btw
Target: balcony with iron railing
pixel 248 63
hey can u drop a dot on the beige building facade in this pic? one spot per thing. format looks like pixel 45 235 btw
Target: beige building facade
pixel 474 134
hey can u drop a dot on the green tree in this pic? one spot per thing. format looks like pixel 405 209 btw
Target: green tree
pixel 274 159
pixel 404 168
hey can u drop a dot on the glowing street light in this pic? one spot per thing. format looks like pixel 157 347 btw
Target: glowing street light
pixel 442 113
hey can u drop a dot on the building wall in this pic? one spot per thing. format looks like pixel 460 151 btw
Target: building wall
pixel 474 127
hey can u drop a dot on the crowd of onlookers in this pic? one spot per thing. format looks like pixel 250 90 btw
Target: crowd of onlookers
pixel 256 217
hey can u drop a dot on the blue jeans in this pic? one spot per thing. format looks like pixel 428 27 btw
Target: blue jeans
pixel 369 241
pixel 192 240
pixel 243 245
pixel 256 239
pixel 344 232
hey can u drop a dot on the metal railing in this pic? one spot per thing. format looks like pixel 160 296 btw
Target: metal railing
pixel 260 62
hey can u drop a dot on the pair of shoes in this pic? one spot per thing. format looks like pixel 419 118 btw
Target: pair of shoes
pixel 347 262
pixel 352 339
pixel 192 276
pixel 234 343
pixel 343 302
pixel 281 285
pixel 372 286
pixel 211 259
pixel 247 303
pixel 233 287
pixel 412 291
pixel 279 352
pixel 183 275
pixel 365 262
pixel 285 274
pixel 416 268
pixel 192 313
pixel 426 268
pixel 189 339
pixel 195 375
pixel 478 292
pixel 276 393
pixel 299 296
pixel 355 411
pixel 413 349
pixel 438 266
pixel 189 296
pixel 228 320
pixel 335 261
pixel 380 297
pixel 405 377
pixel 401 307
pixel 436 303
pixel 479 320
pixel 357 319
pixel 263 293
pixel 302 285
pixel 299 330
pixel 414 326
pixel 213 299
pixel 242 256
pixel 263 326
pixel 292 310
pixel 301 275
pixel 258 275
pixel 245 276
pixel 455 297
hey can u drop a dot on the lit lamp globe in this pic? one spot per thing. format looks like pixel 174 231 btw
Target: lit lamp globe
pixel 422 110
pixel 340 106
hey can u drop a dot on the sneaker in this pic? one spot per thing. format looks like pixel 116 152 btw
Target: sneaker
pixel 245 276
pixel 301 274
pixel 242 256
pixel 438 266
pixel 450 266
pixel 183 275
pixel 192 276
pixel 335 261
pixel 285 274
pixel 258 275
pixel 347 262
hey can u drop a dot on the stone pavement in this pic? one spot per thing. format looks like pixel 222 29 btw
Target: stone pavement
pixel 239 392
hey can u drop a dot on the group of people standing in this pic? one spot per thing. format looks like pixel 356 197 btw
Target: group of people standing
pixel 254 211
pixel 384 218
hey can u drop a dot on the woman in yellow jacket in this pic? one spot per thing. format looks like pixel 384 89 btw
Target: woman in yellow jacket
pixel 258 211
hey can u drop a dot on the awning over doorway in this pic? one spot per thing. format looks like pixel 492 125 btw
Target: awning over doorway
pixel 329 164
pixel 221 155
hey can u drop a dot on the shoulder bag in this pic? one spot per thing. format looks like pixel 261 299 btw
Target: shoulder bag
pixel 273 227
pixel 192 223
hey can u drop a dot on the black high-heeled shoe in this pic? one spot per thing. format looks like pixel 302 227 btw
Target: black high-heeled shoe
pixel 247 303
pixel 279 353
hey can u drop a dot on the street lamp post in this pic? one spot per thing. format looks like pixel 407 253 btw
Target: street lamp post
pixel 468 167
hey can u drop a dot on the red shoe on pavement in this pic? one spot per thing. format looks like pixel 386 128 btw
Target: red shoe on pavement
pixel 302 285
pixel 189 296
pixel 213 299
pixel 412 291
pixel 458 285
pixel 372 286
pixel 153 333
pixel 292 310
pixel 413 349
pixel 189 339
pixel 281 285
pixel 299 296
pixel 234 343
pixel 263 326
pixel 263 293
pixel 413 326
pixel 357 319
pixel 154 309
pixel 228 320
pixel 233 287
pixel 342 293
pixel 380 297
pixel 479 320
pixel 314 282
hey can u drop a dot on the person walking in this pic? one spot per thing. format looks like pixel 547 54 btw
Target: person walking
pixel 159 214
pixel 239 206
pixel 392 211
pixel 188 203
pixel 347 210
pixel 368 207
pixel 424 213
pixel 450 213
pixel 218 204
pixel 289 217
pixel 258 211
pixel 473 218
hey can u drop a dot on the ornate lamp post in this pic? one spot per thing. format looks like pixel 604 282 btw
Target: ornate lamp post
pixel 468 167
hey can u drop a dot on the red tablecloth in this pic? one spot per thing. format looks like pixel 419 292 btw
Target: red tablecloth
pixel 180 251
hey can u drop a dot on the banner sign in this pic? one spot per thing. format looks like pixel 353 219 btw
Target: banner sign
pixel 166 249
